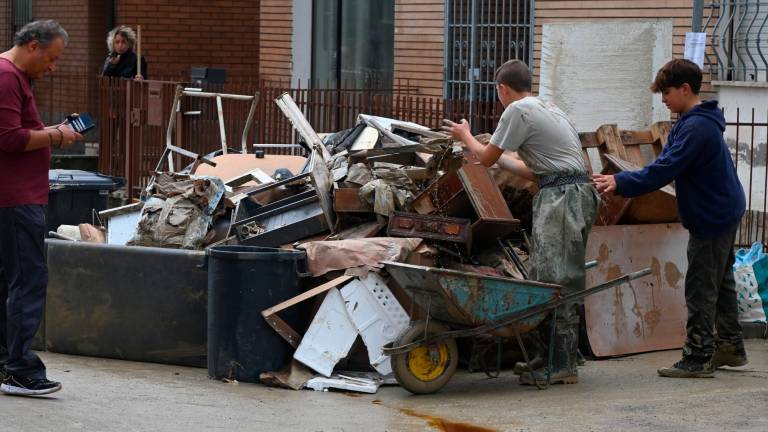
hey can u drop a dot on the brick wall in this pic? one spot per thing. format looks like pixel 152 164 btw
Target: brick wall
pixel 179 34
pixel 69 88
pixel 419 44
pixel 276 27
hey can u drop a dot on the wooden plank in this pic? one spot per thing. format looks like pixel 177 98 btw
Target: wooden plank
pixel 347 200
pixel 660 135
pixel 610 142
pixel 306 295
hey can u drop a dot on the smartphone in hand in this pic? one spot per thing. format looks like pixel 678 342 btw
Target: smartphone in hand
pixel 80 123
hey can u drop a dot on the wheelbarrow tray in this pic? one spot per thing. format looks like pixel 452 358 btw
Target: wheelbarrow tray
pixel 472 299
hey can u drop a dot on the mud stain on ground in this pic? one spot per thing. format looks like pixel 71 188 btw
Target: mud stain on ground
pixel 446 425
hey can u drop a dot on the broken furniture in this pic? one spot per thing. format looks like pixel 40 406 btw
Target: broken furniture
pixel 364 306
pixel 470 193
pixel 425 356
pixel 289 219
pixel 243 280
pixel 441 228
pixel 127 303
pixel 656 207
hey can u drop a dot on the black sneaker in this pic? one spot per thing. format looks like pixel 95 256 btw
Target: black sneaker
pixel 3 374
pixel 689 367
pixel 19 386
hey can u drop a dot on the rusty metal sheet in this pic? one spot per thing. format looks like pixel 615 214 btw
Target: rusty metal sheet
pixel 484 193
pixel 649 314
pixel 456 230
pixel 471 299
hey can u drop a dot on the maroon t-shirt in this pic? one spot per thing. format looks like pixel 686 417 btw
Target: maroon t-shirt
pixel 23 175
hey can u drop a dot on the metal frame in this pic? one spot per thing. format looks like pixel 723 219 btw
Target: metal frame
pixel 479 36
pixel 180 92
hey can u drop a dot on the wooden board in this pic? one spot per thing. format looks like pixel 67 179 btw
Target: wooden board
pixel 649 314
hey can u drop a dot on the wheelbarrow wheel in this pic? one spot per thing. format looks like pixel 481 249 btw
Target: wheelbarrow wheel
pixel 426 368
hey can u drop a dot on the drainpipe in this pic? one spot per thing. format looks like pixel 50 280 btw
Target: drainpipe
pixel 698 15
pixel 111 7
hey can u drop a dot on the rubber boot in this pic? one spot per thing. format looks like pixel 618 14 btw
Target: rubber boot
pixel 522 367
pixel 564 360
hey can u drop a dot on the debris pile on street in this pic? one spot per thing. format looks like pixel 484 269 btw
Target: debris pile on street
pixel 382 198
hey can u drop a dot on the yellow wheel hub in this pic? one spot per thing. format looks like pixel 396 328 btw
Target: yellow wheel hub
pixel 428 362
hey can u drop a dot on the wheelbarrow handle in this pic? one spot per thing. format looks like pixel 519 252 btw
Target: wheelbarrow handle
pixel 521 315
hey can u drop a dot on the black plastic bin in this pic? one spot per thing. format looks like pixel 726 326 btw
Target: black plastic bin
pixel 75 194
pixel 243 281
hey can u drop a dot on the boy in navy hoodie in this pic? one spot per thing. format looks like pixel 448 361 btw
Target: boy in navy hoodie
pixel 711 204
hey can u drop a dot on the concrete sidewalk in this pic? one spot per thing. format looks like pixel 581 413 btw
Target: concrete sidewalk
pixel 613 395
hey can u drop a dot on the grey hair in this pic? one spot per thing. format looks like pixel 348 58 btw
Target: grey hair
pixel 45 32
pixel 123 31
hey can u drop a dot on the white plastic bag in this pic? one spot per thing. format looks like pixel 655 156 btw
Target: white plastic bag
pixel 751 277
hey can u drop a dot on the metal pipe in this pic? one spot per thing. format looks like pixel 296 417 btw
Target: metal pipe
pixel 698 15
pixel 218 95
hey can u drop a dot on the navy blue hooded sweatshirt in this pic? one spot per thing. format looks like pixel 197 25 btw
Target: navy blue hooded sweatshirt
pixel 710 198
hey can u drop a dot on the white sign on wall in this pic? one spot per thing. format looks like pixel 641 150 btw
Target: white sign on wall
pixel 599 72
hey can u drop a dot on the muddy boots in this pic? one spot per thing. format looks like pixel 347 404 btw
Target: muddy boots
pixel 564 360
pixel 690 367
pixel 731 355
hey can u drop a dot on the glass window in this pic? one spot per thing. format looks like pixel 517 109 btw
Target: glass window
pixel 353 43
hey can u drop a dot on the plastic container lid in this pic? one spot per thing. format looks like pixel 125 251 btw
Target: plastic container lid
pixel 84 180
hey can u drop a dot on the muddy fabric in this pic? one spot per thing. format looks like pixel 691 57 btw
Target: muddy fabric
pixel 562 219
pixel 710 295
pixel 391 189
pixel 180 212
pixel 364 254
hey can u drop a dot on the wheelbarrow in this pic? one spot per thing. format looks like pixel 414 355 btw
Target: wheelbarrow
pixel 459 304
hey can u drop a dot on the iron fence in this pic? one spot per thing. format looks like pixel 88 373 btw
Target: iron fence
pixel 134 116
pixel 738 38
pixel 746 134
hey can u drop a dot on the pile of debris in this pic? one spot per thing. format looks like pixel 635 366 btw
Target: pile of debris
pixel 382 191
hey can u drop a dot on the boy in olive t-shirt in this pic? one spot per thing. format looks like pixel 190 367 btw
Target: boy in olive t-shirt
pixel 565 207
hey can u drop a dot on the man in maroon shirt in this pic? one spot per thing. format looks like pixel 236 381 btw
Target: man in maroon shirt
pixel 25 153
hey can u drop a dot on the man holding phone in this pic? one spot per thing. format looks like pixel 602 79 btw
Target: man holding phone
pixel 25 155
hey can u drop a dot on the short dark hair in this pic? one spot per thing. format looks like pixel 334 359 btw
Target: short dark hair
pixel 676 73
pixel 45 32
pixel 515 75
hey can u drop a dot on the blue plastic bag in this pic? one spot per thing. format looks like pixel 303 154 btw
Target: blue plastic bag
pixel 748 256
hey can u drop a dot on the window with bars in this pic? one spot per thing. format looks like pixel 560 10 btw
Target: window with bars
pixel 738 38
pixel 480 35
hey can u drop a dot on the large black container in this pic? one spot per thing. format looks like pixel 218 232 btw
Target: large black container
pixel 127 302
pixel 75 194
pixel 243 281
